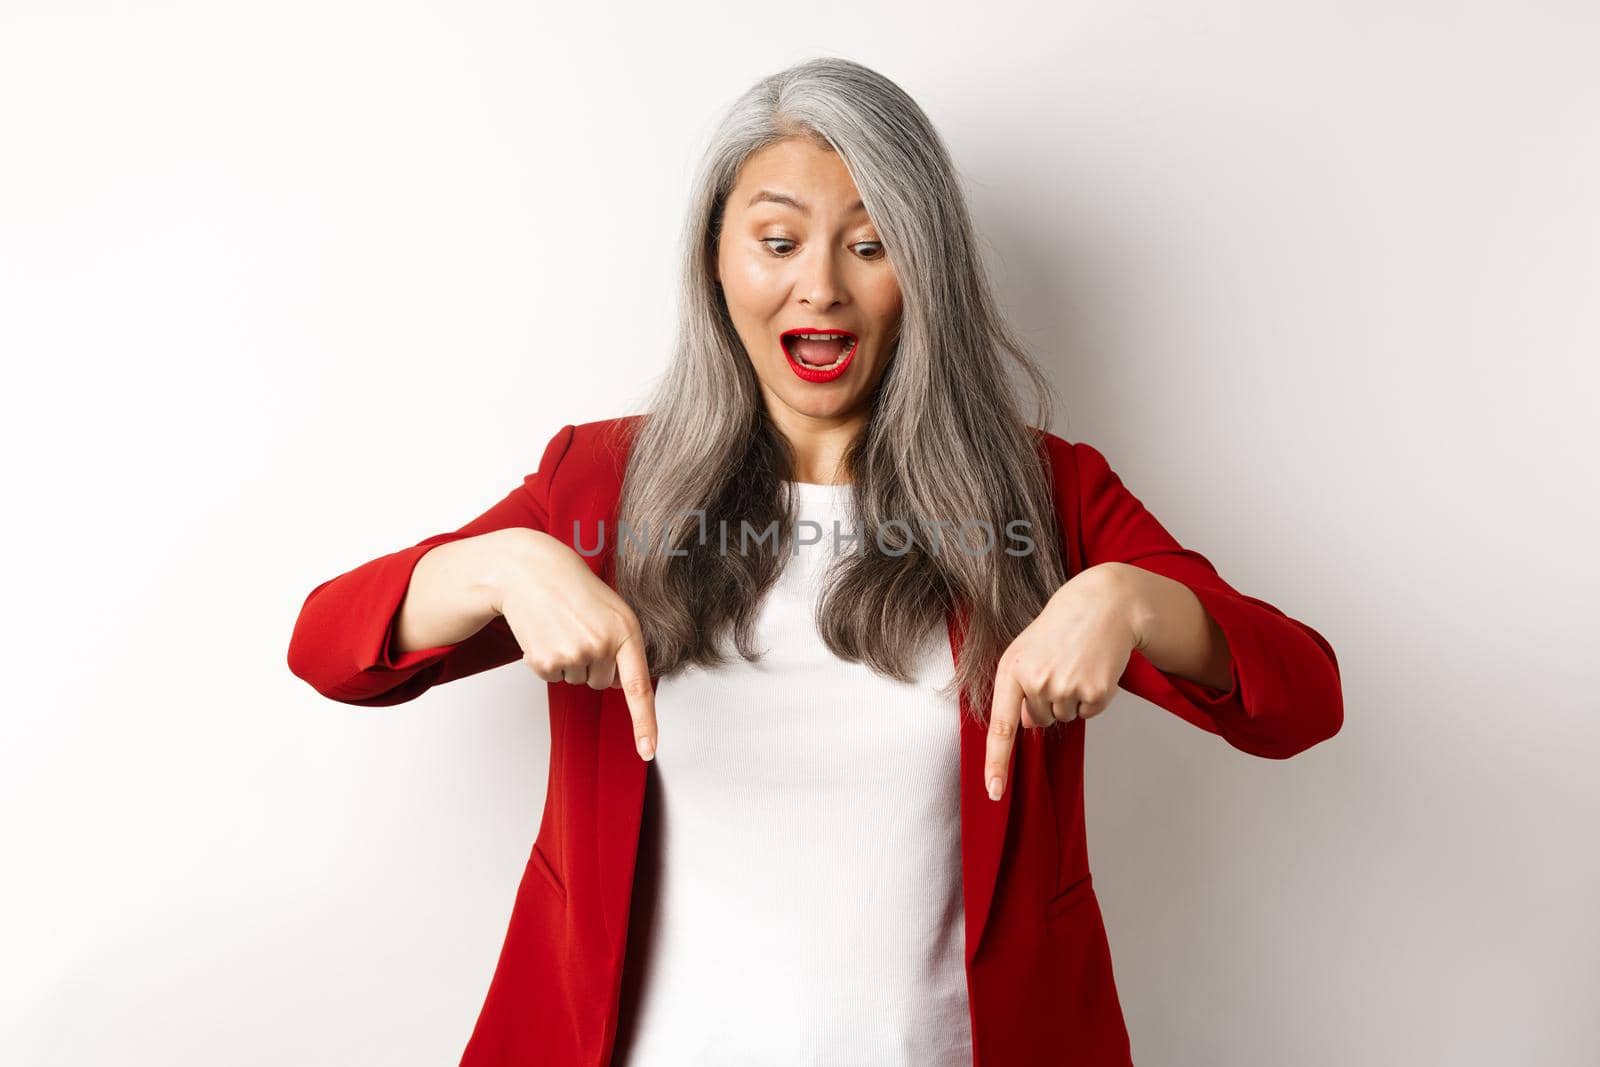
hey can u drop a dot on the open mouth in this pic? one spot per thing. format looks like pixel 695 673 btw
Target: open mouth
pixel 820 350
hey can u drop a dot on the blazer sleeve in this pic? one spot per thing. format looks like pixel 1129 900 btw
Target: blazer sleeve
pixel 343 639
pixel 1285 693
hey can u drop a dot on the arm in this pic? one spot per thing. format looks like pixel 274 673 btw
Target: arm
pixel 1172 628
pixel 345 642
pixel 1283 693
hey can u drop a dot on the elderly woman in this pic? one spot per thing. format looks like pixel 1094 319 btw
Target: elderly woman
pixel 857 835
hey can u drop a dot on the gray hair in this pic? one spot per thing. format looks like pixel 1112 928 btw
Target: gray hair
pixel 945 436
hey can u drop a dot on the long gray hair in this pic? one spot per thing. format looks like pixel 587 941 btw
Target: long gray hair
pixel 944 440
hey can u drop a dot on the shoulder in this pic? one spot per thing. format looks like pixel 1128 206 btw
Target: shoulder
pixel 594 447
pixel 601 435
pixel 1070 462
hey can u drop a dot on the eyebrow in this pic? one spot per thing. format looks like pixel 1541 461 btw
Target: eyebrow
pixel 784 198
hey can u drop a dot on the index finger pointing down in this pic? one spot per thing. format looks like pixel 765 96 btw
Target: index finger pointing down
pixel 1004 715
pixel 633 672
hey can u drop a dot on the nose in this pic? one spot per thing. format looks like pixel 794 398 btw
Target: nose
pixel 820 285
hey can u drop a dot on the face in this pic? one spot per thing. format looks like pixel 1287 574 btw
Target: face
pixel 798 254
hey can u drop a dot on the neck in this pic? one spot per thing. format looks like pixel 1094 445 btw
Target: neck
pixel 818 444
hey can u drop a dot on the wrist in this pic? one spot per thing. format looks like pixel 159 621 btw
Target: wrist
pixel 1125 587
pixel 500 555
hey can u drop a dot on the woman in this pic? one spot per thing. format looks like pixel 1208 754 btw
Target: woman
pixel 851 853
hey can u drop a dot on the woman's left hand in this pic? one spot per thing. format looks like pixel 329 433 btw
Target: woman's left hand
pixel 1065 665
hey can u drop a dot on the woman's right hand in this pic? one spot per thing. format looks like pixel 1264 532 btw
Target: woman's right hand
pixel 572 626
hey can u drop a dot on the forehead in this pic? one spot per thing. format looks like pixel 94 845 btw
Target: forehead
pixel 796 175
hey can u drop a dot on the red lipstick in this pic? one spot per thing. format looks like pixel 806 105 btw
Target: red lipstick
pixel 818 355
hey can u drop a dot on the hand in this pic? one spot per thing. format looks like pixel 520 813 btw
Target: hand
pixel 573 627
pixel 1064 666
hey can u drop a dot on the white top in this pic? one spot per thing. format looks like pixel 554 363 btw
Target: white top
pixel 809 903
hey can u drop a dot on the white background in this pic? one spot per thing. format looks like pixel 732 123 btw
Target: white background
pixel 284 287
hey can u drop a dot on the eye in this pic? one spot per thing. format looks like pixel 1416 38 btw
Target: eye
pixel 876 247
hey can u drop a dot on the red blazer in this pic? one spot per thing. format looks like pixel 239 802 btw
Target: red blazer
pixel 1039 974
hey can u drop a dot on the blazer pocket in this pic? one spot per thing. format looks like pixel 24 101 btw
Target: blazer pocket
pixel 1063 902
pixel 540 862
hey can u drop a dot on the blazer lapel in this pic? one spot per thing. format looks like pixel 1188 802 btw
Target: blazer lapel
pixel 983 821
pixel 622 778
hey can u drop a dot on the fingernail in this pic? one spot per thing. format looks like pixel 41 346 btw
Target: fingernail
pixel 647 749
pixel 995 787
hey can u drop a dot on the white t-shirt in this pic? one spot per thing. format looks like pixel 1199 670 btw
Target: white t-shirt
pixel 808 907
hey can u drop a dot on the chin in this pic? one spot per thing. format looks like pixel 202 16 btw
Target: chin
pixel 819 407
pixel 813 405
